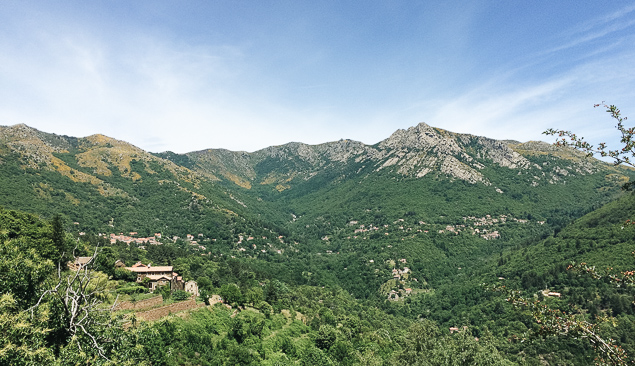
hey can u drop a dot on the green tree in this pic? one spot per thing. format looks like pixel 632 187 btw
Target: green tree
pixel 180 295
pixel 23 340
pixel 58 235
pixel 326 337
pixel 247 324
pixel 231 294
pixel 254 296
pixel 23 270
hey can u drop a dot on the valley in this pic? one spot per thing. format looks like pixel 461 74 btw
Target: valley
pixel 337 253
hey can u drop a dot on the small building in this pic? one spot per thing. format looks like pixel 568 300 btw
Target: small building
pixel 157 281
pixel 191 287
pixel 157 276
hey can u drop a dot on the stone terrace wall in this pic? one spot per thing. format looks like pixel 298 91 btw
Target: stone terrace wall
pixel 147 303
pixel 158 313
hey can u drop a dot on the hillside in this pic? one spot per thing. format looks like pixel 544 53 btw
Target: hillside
pixel 413 153
pixel 108 185
pixel 406 229
pixel 436 199
pixel 92 180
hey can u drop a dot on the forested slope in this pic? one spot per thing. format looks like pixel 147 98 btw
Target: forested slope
pixel 340 253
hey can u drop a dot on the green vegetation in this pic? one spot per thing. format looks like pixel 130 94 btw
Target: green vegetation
pixel 323 261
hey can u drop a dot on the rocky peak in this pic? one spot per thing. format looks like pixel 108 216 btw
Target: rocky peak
pixel 422 137
pixel 286 151
pixel 21 136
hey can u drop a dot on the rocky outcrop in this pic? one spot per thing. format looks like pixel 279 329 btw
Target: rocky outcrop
pixel 422 138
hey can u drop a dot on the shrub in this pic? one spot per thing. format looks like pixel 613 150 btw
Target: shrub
pixel 180 295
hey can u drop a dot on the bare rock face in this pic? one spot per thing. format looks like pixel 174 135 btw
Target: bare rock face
pixel 422 149
pixel 454 168
pixel 423 138
pixel 502 154
pixel 342 150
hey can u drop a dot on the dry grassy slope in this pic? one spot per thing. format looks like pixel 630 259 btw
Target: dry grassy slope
pixel 101 153
pixel 36 150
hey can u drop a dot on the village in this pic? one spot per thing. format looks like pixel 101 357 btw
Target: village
pixel 397 287
pixel 473 225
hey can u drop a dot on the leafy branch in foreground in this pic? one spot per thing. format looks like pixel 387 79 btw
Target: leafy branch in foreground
pixel 621 279
pixel 619 156
pixel 559 323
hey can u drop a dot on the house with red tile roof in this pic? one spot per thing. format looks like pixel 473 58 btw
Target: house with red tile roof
pixel 157 276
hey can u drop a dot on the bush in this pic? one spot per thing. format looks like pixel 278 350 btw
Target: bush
pixel 180 295
pixel 129 290
pixel 124 274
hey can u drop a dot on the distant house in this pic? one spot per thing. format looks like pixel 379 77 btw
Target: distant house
pixel 550 293
pixel 157 276
pixel 191 287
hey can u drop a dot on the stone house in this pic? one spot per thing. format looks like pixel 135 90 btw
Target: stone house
pixel 157 276
pixel 191 287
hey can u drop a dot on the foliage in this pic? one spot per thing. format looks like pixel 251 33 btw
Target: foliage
pixel 308 271
pixel 231 294
pixel 621 155
pixel 180 295
pixel 23 340
pixel 424 345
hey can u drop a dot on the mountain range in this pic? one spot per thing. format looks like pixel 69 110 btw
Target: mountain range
pixel 48 173
pixel 392 233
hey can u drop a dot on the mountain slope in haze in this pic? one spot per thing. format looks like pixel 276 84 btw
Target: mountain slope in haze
pixel 429 173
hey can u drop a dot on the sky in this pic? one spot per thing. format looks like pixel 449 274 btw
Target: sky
pixel 244 75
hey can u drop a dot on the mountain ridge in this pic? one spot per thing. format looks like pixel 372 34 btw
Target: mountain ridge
pixel 411 226
pixel 229 183
pixel 413 152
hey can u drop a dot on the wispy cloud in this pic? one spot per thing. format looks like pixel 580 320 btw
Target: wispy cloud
pixel 162 93
pixel 596 29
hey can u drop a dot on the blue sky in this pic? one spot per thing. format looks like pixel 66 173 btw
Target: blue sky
pixel 244 75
